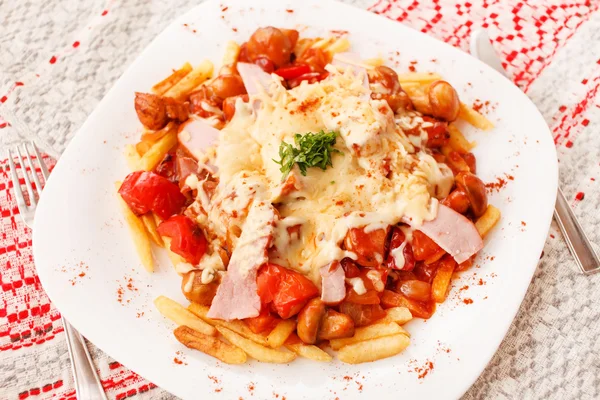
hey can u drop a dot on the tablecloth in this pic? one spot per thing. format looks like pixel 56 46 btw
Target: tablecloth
pixel 59 57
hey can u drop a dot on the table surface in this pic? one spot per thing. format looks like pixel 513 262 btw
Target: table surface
pixel 59 58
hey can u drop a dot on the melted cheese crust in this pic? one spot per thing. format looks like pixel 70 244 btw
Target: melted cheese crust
pixel 379 178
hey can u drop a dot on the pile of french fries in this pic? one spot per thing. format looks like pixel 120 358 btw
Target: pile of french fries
pixel 232 342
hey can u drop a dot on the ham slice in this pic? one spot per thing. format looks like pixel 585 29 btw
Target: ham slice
pixel 454 233
pixel 352 60
pixel 253 77
pixel 196 136
pixel 333 285
pixel 237 296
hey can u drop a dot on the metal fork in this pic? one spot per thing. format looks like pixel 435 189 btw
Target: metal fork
pixel 87 382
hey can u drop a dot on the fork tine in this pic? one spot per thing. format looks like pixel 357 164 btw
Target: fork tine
pixel 16 185
pixel 32 200
pixel 36 179
pixel 41 160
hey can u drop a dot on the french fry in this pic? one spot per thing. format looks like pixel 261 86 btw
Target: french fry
pixel 488 220
pixel 374 349
pixel 210 345
pixel 374 62
pixel 138 233
pixel 302 45
pixel 143 146
pixel 150 224
pixel 132 157
pixel 255 350
pixel 339 46
pixel 181 316
pixel 399 315
pixel 474 118
pixel 366 333
pixel 322 43
pixel 280 333
pixel 306 350
pixel 237 326
pixel 232 51
pixel 457 140
pixel 421 77
pixel 441 281
pixel 158 151
pixel 198 75
pixel 163 86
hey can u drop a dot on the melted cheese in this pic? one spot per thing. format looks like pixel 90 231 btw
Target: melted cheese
pixel 378 179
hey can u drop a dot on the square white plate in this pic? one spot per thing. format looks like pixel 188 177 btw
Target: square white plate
pixel 78 226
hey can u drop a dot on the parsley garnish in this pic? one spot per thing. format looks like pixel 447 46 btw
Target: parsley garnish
pixel 312 150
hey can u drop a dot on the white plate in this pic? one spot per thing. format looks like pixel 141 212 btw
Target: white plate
pixel 78 223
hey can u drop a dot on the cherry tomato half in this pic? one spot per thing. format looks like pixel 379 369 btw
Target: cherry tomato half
pixel 187 239
pixel 147 191
pixel 286 291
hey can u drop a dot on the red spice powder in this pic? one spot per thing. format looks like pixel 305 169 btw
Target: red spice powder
pixel 214 379
pixel 468 301
pixel 464 287
pixel 481 282
pixel 412 68
pixel 251 388
pixel 347 378
pixel 289 10
pixel 580 196
pixel 81 275
pixel 496 186
pixel 523 223
pixel 424 370
pixel 177 361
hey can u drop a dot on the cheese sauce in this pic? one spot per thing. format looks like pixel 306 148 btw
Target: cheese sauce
pixel 378 178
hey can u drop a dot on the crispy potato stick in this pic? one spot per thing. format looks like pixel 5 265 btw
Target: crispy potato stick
pixel 374 62
pixel 421 77
pixel 308 351
pixel 158 151
pixel 366 333
pixel 280 333
pixel 339 46
pixel 175 258
pixel 302 45
pixel 399 315
pixel 132 157
pixel 210 345
pixel 143 146
pixel 322 43
pixel 181 316
pixel 255 350
pixel 374 349
pixel 138 233
pixel 201 73
pixel 237 326
pixel 488 220
pixel 150 224
pixel 232 51
pixel 163 86
pixel 440 283
pixel 457 140
pixel 474 118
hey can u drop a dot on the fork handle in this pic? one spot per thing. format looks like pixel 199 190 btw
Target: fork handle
pixel 87 382
pixel 576 239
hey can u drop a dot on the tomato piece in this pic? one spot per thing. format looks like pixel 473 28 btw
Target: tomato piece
pixel 370 297
pixel 362 314
pixel 311 77
pixel 396 241
pixel 368 247
pixel 187 239
pixel 264 322
pixel 286 291
pixel 424 248
pixel 145 191
pixel 418 309
pixel 437 133
pixel 293 71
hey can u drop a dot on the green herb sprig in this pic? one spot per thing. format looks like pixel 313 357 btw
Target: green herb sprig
pixel 312 150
